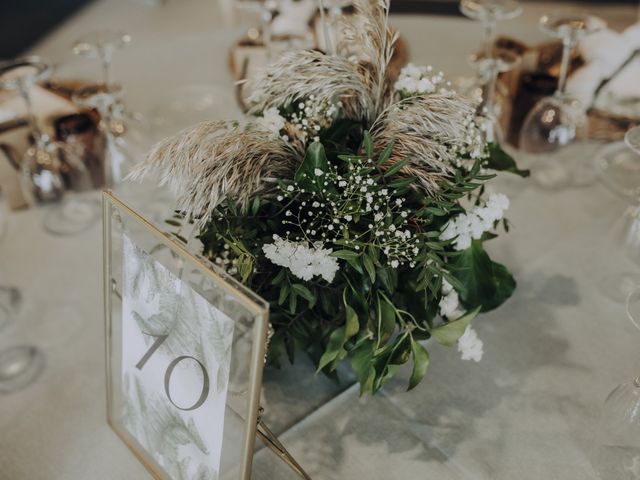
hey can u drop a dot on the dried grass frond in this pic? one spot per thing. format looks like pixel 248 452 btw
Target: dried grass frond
pixel 430 131
pixel 376 43
pixel 301 74
pixel 217 160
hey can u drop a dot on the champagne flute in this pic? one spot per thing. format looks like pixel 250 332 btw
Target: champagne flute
pixel 488 13
pixel 554 121
pixel 102 45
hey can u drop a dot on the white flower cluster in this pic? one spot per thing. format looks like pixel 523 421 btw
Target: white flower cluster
pixel 306 121
pixel 226 262
pixel 415 80
pixel 471 225
pixel 272 120
pixel 473 143
pixel 310 117
pixel 470 346
pixel 449 303
pixel 304 261
pixel 334 216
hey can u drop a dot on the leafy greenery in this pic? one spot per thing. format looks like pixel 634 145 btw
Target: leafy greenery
pixel 383 302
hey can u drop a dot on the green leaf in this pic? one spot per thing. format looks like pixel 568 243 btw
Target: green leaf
pixel 305 177
pixel 386 153
pixel 362 365
pixel 502 161
pixel 245 268
pixel 485 283
pixel 355 264
pixel 334 347
pixel 293 302
pixel 396 167
pixel 449 333
pixel 345 254
pixel 368 143
pixel 352 323
pixel 304 292
pixel 420 363
pixel 401 183
pixel 386 319
pixel 386 278
pixel 255 206
pixel 284 293
pixel 279 277
pixel 369 267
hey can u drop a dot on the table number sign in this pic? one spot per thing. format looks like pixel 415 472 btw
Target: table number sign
pixel 185 351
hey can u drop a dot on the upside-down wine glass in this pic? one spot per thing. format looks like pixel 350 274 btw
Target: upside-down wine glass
pixel 41 177
pixel 555 121
pixel 616 455
pixel 102 45
pixel 489 13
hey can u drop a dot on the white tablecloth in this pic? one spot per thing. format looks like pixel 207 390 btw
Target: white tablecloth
pixel 528 411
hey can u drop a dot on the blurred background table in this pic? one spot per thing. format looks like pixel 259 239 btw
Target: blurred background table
pixel 529 410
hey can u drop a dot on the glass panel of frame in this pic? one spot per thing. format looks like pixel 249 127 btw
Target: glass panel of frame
pixel 185 351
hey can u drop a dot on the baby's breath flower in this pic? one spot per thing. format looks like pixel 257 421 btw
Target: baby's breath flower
pixel 304 261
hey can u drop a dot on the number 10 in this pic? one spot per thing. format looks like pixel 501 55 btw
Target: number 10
pixel 160 339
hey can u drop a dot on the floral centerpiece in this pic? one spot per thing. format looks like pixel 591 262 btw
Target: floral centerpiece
pixel 354 203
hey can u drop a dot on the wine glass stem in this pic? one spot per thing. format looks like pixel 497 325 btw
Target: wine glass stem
pixel 38 136
pixel 567 46
pixel 105 62
pixel 110 170
pixel 489 37
pixel 266 16
pixel 325 29
pixel 488 104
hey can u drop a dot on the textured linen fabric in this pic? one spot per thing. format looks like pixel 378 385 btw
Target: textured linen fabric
pixel 528 410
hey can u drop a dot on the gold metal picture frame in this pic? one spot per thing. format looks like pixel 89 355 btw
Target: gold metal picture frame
pixel 122 227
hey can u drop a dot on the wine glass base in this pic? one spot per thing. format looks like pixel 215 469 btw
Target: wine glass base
pixel 19 367
pixel 10 300
pixel 619 168
pixel 617 287
pixel 550 175
pixel 72 217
